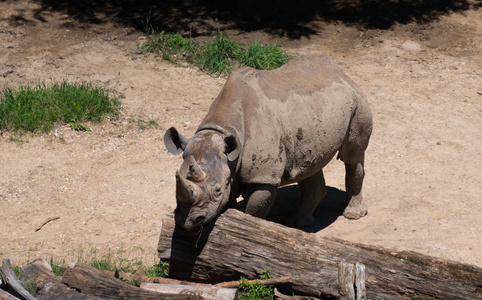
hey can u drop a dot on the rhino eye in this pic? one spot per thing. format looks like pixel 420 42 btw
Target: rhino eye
pixel 217 191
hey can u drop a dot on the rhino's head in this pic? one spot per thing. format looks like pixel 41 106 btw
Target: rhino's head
pixel 203 182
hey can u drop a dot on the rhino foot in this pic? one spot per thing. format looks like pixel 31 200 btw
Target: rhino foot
pixel 355 212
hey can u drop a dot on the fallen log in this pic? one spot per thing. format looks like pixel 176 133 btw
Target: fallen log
pixel 280 296
pixel 38 274
pixel 12 281
pixel 4 295
pixel 206 291
pixel 91 281
pixel 241 245
pixel 140 279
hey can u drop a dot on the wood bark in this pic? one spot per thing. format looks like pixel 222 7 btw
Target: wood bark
pixel 12 281
pixel 346 277
pixel 280 296
pixel 4 295
pixel 269 281
pixel 242 245
pixel 47 285
pixel 94 282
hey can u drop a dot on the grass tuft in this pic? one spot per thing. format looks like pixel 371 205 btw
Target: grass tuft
pixel 38 108
pixel 171 46
pixel 256 291
pixel 159 270
pixel 56 266
pixel 109 263
pixel 263 57
pixel 219 55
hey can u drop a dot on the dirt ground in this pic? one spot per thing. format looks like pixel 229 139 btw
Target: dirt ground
pixel 111 187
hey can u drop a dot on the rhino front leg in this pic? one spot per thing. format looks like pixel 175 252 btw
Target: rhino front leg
pixel 312 189
pixel 353 183
pixel 260 198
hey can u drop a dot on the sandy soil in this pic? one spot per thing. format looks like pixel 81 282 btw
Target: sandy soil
pixel 112 186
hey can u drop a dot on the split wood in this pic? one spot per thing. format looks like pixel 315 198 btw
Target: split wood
pixel 96 283
pixel 48 286
pixel 139 277
pixel 270 281
pixel 12 281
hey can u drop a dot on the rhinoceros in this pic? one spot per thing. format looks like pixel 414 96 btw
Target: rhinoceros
pixel 272 128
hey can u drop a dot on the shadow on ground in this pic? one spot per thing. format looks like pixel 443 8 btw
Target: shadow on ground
pixel 284 18
pixel 330 208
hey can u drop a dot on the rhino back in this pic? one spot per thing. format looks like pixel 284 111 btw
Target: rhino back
pixel 293 120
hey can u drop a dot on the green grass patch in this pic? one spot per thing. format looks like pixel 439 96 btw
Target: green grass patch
pixel 171 46
pixel 159 270
pixel 256 291
pixel 263 57
pixel 216 56
pixel 16 270
pixel 110 262
pixel 56 266
pixel 38 108
pixel 219 55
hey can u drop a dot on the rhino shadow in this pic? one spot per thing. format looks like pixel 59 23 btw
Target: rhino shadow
pixel 327 212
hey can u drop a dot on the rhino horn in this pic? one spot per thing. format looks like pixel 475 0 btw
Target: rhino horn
pixel 195 172
pixel 186 188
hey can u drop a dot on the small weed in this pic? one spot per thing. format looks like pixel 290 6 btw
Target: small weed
pixel 38 108
pixel 79 127
pixel 56 266
pixel 19 141
pixel 143 125
pixel 256 291
pixel 159 270
pixel 16 270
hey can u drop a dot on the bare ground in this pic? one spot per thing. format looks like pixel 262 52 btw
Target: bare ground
pixel 112 186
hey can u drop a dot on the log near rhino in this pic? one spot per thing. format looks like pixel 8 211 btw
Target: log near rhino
pixel 267 129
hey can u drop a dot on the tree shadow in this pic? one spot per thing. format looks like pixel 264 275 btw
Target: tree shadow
pixel 327 212
pixel 284 18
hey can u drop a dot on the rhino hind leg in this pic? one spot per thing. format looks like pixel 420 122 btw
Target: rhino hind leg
pixel 355 173
pixel 260 198
pixel 312 189
pixel 352 153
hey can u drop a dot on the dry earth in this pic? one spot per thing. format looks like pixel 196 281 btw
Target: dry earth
pixel 112 186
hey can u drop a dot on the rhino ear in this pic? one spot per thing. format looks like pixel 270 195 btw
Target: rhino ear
pixel 233 147
pixel 174 141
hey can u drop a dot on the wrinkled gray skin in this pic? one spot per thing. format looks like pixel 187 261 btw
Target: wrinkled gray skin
pixel 267 129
